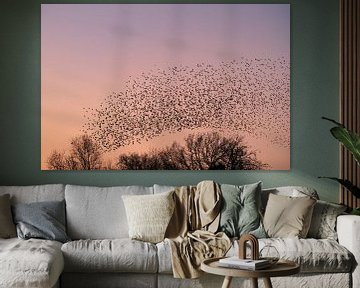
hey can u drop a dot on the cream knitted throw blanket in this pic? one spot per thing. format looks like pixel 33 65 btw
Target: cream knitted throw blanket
pixel 191 231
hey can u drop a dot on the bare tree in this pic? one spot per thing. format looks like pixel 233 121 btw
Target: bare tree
pixel 56 161
pixel 85 154
pixel 206 151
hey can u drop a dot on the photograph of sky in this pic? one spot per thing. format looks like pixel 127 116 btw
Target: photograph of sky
pixel 165 86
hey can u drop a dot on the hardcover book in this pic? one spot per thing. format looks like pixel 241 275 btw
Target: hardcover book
pixel 236 262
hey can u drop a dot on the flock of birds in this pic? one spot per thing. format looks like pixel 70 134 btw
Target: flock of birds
pixel 242 96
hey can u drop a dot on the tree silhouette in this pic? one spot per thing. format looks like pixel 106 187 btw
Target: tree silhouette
pixel 56 161
pixel 204 151
pixel 85 154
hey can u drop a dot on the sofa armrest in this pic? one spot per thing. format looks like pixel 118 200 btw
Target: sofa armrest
pixel 348 230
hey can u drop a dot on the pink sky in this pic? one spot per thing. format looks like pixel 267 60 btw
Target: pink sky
pixel 89 51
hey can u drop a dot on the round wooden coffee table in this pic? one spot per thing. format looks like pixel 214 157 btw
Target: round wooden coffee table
pixel 281 268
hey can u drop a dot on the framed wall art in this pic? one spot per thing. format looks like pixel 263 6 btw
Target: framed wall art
pixel 165 86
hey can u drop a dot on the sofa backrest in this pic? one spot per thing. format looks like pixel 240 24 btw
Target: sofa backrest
pixel 36 193
pixel 98 213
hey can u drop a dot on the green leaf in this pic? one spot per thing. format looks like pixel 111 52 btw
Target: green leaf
pixel 333 121
pixel 349 139
pixel 348 185
pixel 355 211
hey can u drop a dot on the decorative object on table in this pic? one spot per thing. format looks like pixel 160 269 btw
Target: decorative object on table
pixel 166 87
pixel 254 246
pixel 269 253
pixel 241 261
pixel 351 142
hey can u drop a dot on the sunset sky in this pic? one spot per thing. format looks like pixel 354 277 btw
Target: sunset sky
pixel 90 51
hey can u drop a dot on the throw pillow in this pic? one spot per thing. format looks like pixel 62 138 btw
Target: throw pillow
pixel 323 222
pixel 240 213
pixel 7 227
pixel 43 220
pixel 149 215
pixel 288 217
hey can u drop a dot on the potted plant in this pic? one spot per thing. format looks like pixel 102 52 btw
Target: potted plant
pixel 351 141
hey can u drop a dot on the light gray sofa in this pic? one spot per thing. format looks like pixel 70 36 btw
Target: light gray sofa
pixel 101 255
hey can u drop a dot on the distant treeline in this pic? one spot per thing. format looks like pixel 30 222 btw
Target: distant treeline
pixel 203 151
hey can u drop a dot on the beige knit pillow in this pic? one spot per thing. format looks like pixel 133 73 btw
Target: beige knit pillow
pixel 288 217
pixel 7 226
pixel 149 215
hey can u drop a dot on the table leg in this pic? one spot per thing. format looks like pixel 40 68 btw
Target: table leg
pixel 267 283
pixel 227 282
pixel 254 282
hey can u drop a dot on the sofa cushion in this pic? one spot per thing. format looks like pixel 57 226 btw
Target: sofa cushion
pixel 240 210
pixel 30 263
pixel 36 193
pixel 7 226
pixel 323 222
pixel 117 255
pixel 109 280
pixel 98 213
pixel 149 215
pixel 291 191
pixel 287 216
pixel 313 255
pixel 43 220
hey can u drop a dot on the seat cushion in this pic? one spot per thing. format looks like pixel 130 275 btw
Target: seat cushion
pixel 98 213
pixel 313 255
pixel 30 263
pixel 117 255
pixel 108 280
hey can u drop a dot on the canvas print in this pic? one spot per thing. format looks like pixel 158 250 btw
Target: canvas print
pixel 175 86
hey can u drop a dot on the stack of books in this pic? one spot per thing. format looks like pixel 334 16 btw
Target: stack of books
pixel 248 264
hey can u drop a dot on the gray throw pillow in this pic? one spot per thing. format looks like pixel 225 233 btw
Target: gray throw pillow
pixel 7 227
pixel 323 222
pixel 44 220
pixel 240 213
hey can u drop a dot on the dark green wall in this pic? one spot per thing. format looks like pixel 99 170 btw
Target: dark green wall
pixel 314 93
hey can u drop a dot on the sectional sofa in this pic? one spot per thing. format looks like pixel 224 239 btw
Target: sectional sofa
pixel 100 253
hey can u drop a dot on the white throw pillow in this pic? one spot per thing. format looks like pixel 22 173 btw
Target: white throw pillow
pixel 149 215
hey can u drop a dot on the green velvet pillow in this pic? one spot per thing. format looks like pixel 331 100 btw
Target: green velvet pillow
pixel 240 213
